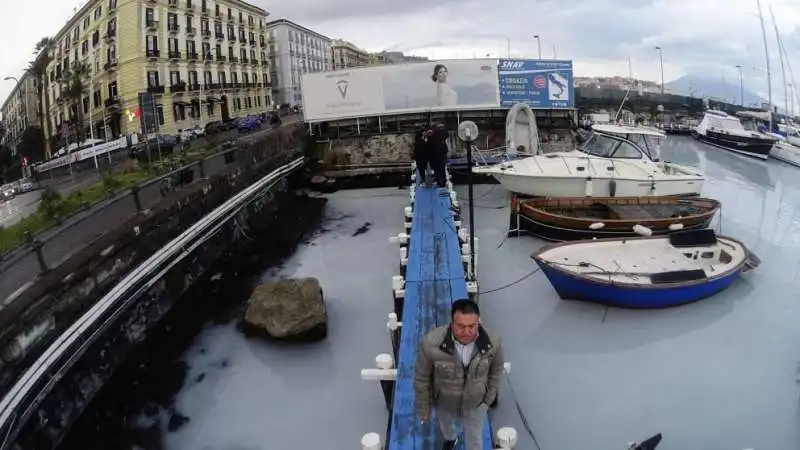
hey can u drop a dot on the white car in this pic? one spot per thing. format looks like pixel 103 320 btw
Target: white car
pixel 197 131
pixel 26 186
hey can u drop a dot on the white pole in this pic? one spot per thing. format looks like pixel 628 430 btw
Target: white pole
pixel 766 54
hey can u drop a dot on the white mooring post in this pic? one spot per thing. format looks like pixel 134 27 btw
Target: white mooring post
pixel 385 373
pixel 393 325
pixel 371 441
pixel 507 438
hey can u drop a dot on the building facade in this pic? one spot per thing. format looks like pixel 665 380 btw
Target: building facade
pixel 345 54
pixel 386 57
pixel 294 50
pixel 202 60
pixel 19 111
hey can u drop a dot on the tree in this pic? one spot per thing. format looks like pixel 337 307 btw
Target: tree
pixel 38 69
pixel 2 130
pixel 32 144
pixel 73 88
pixel 6 159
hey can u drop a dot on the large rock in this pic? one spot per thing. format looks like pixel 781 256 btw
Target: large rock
pixel 292 309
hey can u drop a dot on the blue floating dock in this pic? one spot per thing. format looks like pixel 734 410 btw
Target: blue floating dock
pixel 434 280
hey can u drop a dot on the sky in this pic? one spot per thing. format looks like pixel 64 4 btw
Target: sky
pixel 707 38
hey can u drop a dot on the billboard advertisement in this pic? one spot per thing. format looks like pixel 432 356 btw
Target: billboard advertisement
pixel 403 88
pixel 541 83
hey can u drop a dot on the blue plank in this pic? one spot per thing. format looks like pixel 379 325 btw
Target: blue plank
pixel 434 279
pixel 421 248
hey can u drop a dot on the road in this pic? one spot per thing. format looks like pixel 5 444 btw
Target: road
pixel 13 211
pixel 86 226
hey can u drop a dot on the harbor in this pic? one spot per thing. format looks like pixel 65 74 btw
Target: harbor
pixel 618 375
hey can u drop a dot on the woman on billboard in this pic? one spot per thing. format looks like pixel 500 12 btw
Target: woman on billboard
pixel 445 95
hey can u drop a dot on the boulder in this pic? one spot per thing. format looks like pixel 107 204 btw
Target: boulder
pixel 291 309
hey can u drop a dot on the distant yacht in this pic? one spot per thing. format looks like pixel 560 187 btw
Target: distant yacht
pixel 725 131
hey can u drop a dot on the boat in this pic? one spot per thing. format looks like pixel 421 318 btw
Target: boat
pixel 645 272
pixel 615 160
pixel 571 218
pixel 727 132
pixel 785 151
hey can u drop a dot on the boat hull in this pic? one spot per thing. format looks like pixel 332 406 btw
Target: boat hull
pixel 744 145
pixel 570 287
pixel 549 186
pixel 548 218
pixel 786 152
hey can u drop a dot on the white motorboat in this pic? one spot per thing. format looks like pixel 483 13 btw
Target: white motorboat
pixel 787 150
pixel 615 160
pixel 727 132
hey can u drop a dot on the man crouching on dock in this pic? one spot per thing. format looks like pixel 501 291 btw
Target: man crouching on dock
pixel 458 371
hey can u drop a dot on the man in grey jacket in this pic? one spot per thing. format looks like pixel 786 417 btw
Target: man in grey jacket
pixel 458 371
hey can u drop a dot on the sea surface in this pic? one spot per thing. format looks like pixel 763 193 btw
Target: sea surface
pixel 720 374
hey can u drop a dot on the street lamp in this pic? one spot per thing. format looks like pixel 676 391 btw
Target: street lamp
pixel 24 94
pixel 538 44
pixel 661 62
pixel 741 84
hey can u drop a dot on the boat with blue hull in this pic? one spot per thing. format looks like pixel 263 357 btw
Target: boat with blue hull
pixel 645 272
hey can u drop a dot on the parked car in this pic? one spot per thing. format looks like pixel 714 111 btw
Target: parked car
pixel 26 186
pixel 197 131
pixel 249 123
pixel 215 127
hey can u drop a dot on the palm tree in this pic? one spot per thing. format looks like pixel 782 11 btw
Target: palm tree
pixel 74 86
pixel 38 69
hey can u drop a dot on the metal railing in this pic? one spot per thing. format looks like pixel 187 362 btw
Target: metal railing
pixel 51 247
pixel 33 386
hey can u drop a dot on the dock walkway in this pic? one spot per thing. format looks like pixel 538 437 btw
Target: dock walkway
pixel 434 280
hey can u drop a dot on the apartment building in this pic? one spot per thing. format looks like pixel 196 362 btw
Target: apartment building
pixel 19 111
pixel 387 57
pixel 202 60
pixel 345 54
pixel 294 50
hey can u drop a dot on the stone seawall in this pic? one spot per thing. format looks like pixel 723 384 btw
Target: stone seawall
pixel 65 292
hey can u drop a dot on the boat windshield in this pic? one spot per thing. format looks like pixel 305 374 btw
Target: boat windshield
pixel 650 144
pixel 608 147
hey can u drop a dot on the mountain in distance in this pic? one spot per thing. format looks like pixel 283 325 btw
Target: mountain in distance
pixel 697 86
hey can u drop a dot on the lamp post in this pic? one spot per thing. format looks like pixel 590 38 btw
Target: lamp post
pixel 24 93
pixel 661 62
pixel 741 84
pixel 538 44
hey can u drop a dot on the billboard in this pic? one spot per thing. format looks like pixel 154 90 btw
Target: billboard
pixel 403 88
pixel 541 83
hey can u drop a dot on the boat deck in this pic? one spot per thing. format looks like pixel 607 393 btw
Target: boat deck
pixel 434 280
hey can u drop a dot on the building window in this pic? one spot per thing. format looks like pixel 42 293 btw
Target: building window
pixel 97 98
pixel 152 79
pixel 98 13
pixel 112 90
pixel 112 4
pixel 160 114
pixel 85 103
pixel 149 16
pixel 174 77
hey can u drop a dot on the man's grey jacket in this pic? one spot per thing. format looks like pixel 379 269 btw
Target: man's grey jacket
pixel 441 380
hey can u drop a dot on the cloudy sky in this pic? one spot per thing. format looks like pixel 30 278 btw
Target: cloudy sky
pixel 708 37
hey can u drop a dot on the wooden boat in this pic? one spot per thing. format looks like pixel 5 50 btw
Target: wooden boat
pixel 645 272
pixel 569 219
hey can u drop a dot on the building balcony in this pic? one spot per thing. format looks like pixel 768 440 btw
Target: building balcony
pixel 204 12
pixel 190 31
pixel 174 54
pixel 244 60
pixel 207 58
pixel 173 4
pixel 178 88
pixel 206 34
pixel 153 53
pixel 211 86
pixel 242 39
pixel 253 42
pixel 218 14
pixel 173 28
pixel 110 36
pixel 232 38
pixel 110 65
pixel 192 56
pixel 155 89
pixel 194 87
pixel 219 36
pixel 234 60
pixel 221 59
pixel 265 63
pixel 112 102
pixel 151 25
